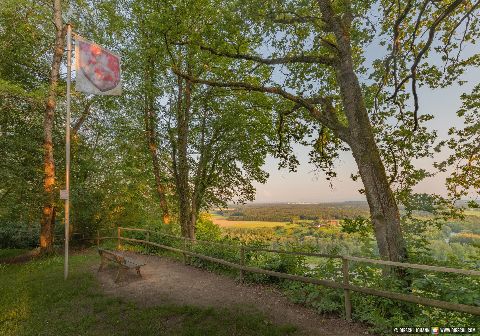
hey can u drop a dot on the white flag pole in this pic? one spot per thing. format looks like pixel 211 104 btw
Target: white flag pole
pixel 67 149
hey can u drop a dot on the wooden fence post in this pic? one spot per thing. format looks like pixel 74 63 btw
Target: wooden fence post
pixel 98 238
pixel 119 233
pixel 346 292
pixel 148 235
pixel 184 248
pixel 242 261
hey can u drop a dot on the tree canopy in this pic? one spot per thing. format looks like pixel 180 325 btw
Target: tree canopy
pixel 212 87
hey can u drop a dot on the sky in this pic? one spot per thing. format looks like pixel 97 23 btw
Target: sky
pixel 306 185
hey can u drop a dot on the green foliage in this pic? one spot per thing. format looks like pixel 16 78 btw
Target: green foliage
pixel 360 225
pixel 228 253
pixel 231 132
pixel 206 229
pixel 10 253
pixel 465 151
pixel 322 299
pixel 473 204
pixel 18 237
pixel 380 313
pixel 278 262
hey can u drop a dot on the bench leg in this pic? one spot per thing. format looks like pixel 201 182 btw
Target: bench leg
pixel 121 270
pixel 101 266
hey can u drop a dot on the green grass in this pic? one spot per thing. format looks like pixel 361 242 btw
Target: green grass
pixel 35 300
pixel 10 253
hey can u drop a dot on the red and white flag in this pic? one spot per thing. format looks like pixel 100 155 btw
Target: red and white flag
pixel 98 70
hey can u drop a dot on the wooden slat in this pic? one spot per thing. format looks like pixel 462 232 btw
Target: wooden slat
pixel 133 264
pixel 474 310
pixel 195 240
pixel 416 266
pixel 310 254
pixel 322 255
pixel 134 229
pixel 119 258
pixel 326 283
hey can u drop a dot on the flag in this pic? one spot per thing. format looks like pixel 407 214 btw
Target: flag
pixel 97 69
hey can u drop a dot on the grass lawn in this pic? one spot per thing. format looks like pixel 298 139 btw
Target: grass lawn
pixel 35 300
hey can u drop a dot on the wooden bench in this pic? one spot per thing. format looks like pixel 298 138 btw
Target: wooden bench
pixel 117 257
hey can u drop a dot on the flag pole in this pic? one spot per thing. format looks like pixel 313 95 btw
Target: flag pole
pixel 67 149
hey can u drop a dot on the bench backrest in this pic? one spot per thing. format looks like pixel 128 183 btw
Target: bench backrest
pixel 112 256
pixel 117 257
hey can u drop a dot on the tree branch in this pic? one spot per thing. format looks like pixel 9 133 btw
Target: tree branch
pixel 313 59
pixel 328 117
pixel 83 117
pixel 418 58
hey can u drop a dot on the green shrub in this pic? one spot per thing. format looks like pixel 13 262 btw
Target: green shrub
pixel 206 229
pixel 19 237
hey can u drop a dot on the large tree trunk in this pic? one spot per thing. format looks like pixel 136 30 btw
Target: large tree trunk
pixel 183 169
pixel 151 134
pixel 383 207
pixel 48 214
pixel 159 183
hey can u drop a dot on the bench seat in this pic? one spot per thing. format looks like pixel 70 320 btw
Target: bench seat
pixel 123 261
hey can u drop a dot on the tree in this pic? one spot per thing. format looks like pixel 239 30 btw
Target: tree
pixel 201 149
pixel 151 126
pixel 320 45
pixel 48 212
pixel 26 40
pixel 213 157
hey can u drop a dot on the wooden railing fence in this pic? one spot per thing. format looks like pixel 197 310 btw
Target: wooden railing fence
pixel 345 285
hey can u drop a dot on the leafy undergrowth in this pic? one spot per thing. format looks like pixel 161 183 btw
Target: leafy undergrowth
pixel 11 252
pixel 36 300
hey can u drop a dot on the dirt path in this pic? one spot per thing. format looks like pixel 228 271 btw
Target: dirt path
pixel 166 281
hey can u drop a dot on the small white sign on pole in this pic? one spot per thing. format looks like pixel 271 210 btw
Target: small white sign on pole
pixel 63 194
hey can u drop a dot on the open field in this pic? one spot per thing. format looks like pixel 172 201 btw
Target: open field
pixel 225 223
pixel 475 212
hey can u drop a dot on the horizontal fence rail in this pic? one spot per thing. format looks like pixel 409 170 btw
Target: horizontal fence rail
pixel 345 285
pixel 416 266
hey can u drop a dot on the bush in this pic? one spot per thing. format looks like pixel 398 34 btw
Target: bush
pixel 19 237
pixel 206 229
